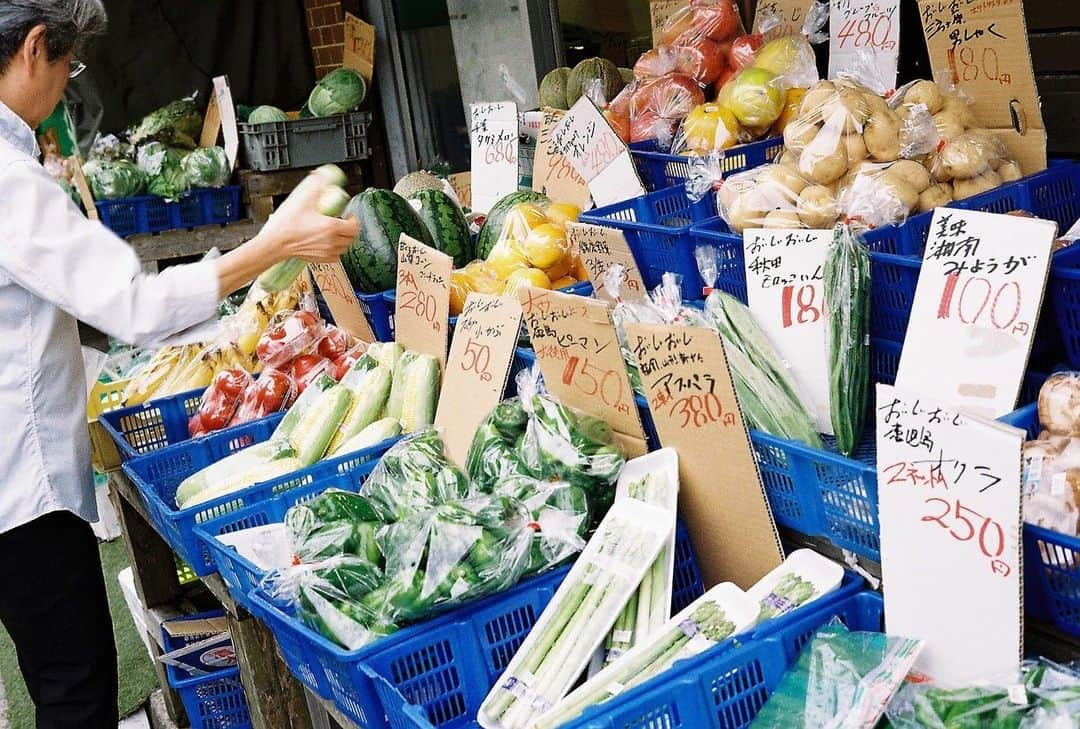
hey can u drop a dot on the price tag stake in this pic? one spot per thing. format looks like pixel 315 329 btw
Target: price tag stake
pixel 422 314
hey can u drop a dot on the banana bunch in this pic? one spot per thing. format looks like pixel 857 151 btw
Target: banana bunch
pixel 180 368
pixel 161 367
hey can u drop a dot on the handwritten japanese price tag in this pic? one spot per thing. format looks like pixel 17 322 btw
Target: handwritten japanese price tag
pixel 422 313
pixel 359 53
pixel 861 27
pixel 594 149
pixel 975 310
pixel 227 114
pixel 784 271
pixel 949 507
pixel 983 48
pixel 480 358
pixel 578 353
pixel 600 248
pixel 659 12
pixel 792 15
pixel 493 132
pixel 688 385
pixel 341 299
pixel 553 174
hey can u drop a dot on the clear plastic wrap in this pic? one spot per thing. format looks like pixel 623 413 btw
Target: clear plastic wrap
pixel 713 19
pixel 413 476
pixel 206 167
pixel 109 147
pixel 847 296
pixel 287 336
pixel 163 167
pixel 273 392
pixel 220 402
pixel 1043 695
pixel 768 197
pixel 842 679
pixel 1059 404
pixel 532 249
pixel 114 179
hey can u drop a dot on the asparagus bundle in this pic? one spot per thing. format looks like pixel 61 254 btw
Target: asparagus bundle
pixel 720 613
pixel 578 617
pixel 804 576
pixel 654 479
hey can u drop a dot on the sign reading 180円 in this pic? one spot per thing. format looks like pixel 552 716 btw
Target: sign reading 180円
pixel 976 307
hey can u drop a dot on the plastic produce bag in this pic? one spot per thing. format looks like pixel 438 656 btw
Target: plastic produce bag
pixel 273 392
pixel 1059 404
pixel 113 180
pixel 109 148
pixel 842 679
pixel 207 167
pixel 288 335
pixel 1044 695
pixel 220 402
pixel 847 296
pixel 413 476
pixel 164 170
pixel 1051 483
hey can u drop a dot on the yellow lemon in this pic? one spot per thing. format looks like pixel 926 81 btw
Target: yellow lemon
pixel 561 267
pixel 505 259
pixel 561 213
pixel 526 277
pixel 545 245
pixel 563 282
pixel 460 288
pixel 578 270
pixel 521 219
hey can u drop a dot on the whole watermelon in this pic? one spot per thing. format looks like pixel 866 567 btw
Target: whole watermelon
pixel 493 224
pixel 447 224
pixel 594 73
pixel 371 262
pixel 553 88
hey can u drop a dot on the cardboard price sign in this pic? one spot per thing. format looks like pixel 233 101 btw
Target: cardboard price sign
pixel 600 248
pixel 83 188
pixel 949 507
pixel 659 12
pixel 221 117
pixel 857 27
pixel 784 272
pixel 422 311
pixel 359 54
pixel 688 384
pixel 493 132
pixel 594 149
pixel 476 371
pixel 791 15
pixel 462 184
pixel 983 48
pixel 976 307
pixel 341 299
pixel 553 174
pixel 578 352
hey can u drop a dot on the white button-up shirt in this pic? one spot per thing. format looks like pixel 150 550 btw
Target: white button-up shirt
pixel 55 267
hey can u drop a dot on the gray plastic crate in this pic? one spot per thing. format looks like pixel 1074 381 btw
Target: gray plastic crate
pixel 306 142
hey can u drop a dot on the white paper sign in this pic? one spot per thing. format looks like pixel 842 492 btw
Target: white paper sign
pixel 595 151
pixel 975 310
pixel 949 508
pixel 784 272
pixel 865 28
pixel 229 132
pixel 493 132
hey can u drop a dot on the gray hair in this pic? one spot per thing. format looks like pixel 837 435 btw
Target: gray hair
pixel 69 24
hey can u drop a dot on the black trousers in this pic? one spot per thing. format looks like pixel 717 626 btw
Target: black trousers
pixel 53 603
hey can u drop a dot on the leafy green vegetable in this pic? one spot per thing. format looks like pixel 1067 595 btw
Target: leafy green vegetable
pixel 178 124
pixel 338 92
pixel 163 169
pixel 266 114
pixel 114 180
pixel 207 167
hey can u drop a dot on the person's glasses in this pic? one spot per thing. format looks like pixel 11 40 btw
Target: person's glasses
pixel 77 67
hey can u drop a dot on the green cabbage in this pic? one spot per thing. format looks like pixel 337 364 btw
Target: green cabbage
pixel 178 123
pixel 339 91
pixel 112 180
pixel 164 171
pixel 266 114
pixel 207 167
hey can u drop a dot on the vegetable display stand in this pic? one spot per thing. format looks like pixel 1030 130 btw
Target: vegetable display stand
pixel 726 687
pixel 416 693
pixel 305 142
pixel 151 426
pixel 447 664
pixel 157 475
pixel 657 230
pixel 1063 291
pixel 211 701
pixel 660 170
pixel 264 190
pixel 274 698
pixel 104 397
pixel 153 214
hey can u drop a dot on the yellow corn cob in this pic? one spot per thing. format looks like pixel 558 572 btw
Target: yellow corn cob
pixel 243 479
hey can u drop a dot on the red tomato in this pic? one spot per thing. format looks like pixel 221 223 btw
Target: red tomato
pixel 306 368
pixel 702 60
pixel 344 363
pixel 743 50
pixel 271 393
pixel 220 400
pixel 195 426
pixel 335 343
pixel 288 335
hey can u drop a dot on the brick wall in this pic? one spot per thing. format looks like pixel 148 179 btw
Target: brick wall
pixel 326 31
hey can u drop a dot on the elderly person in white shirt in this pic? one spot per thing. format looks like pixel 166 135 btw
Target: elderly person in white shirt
pixel 57 267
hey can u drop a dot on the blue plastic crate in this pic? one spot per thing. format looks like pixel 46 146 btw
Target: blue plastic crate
pixel 1051 577
pixel 447 663
pixel 659 170
pixel 152 425
pixel 657 230
pixel 153 214
pixel 727 688
pixel 157 475
pixel 1063 291
pixel 1055 193
pixel 213 701
pixel 414 686
pixel 240 575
